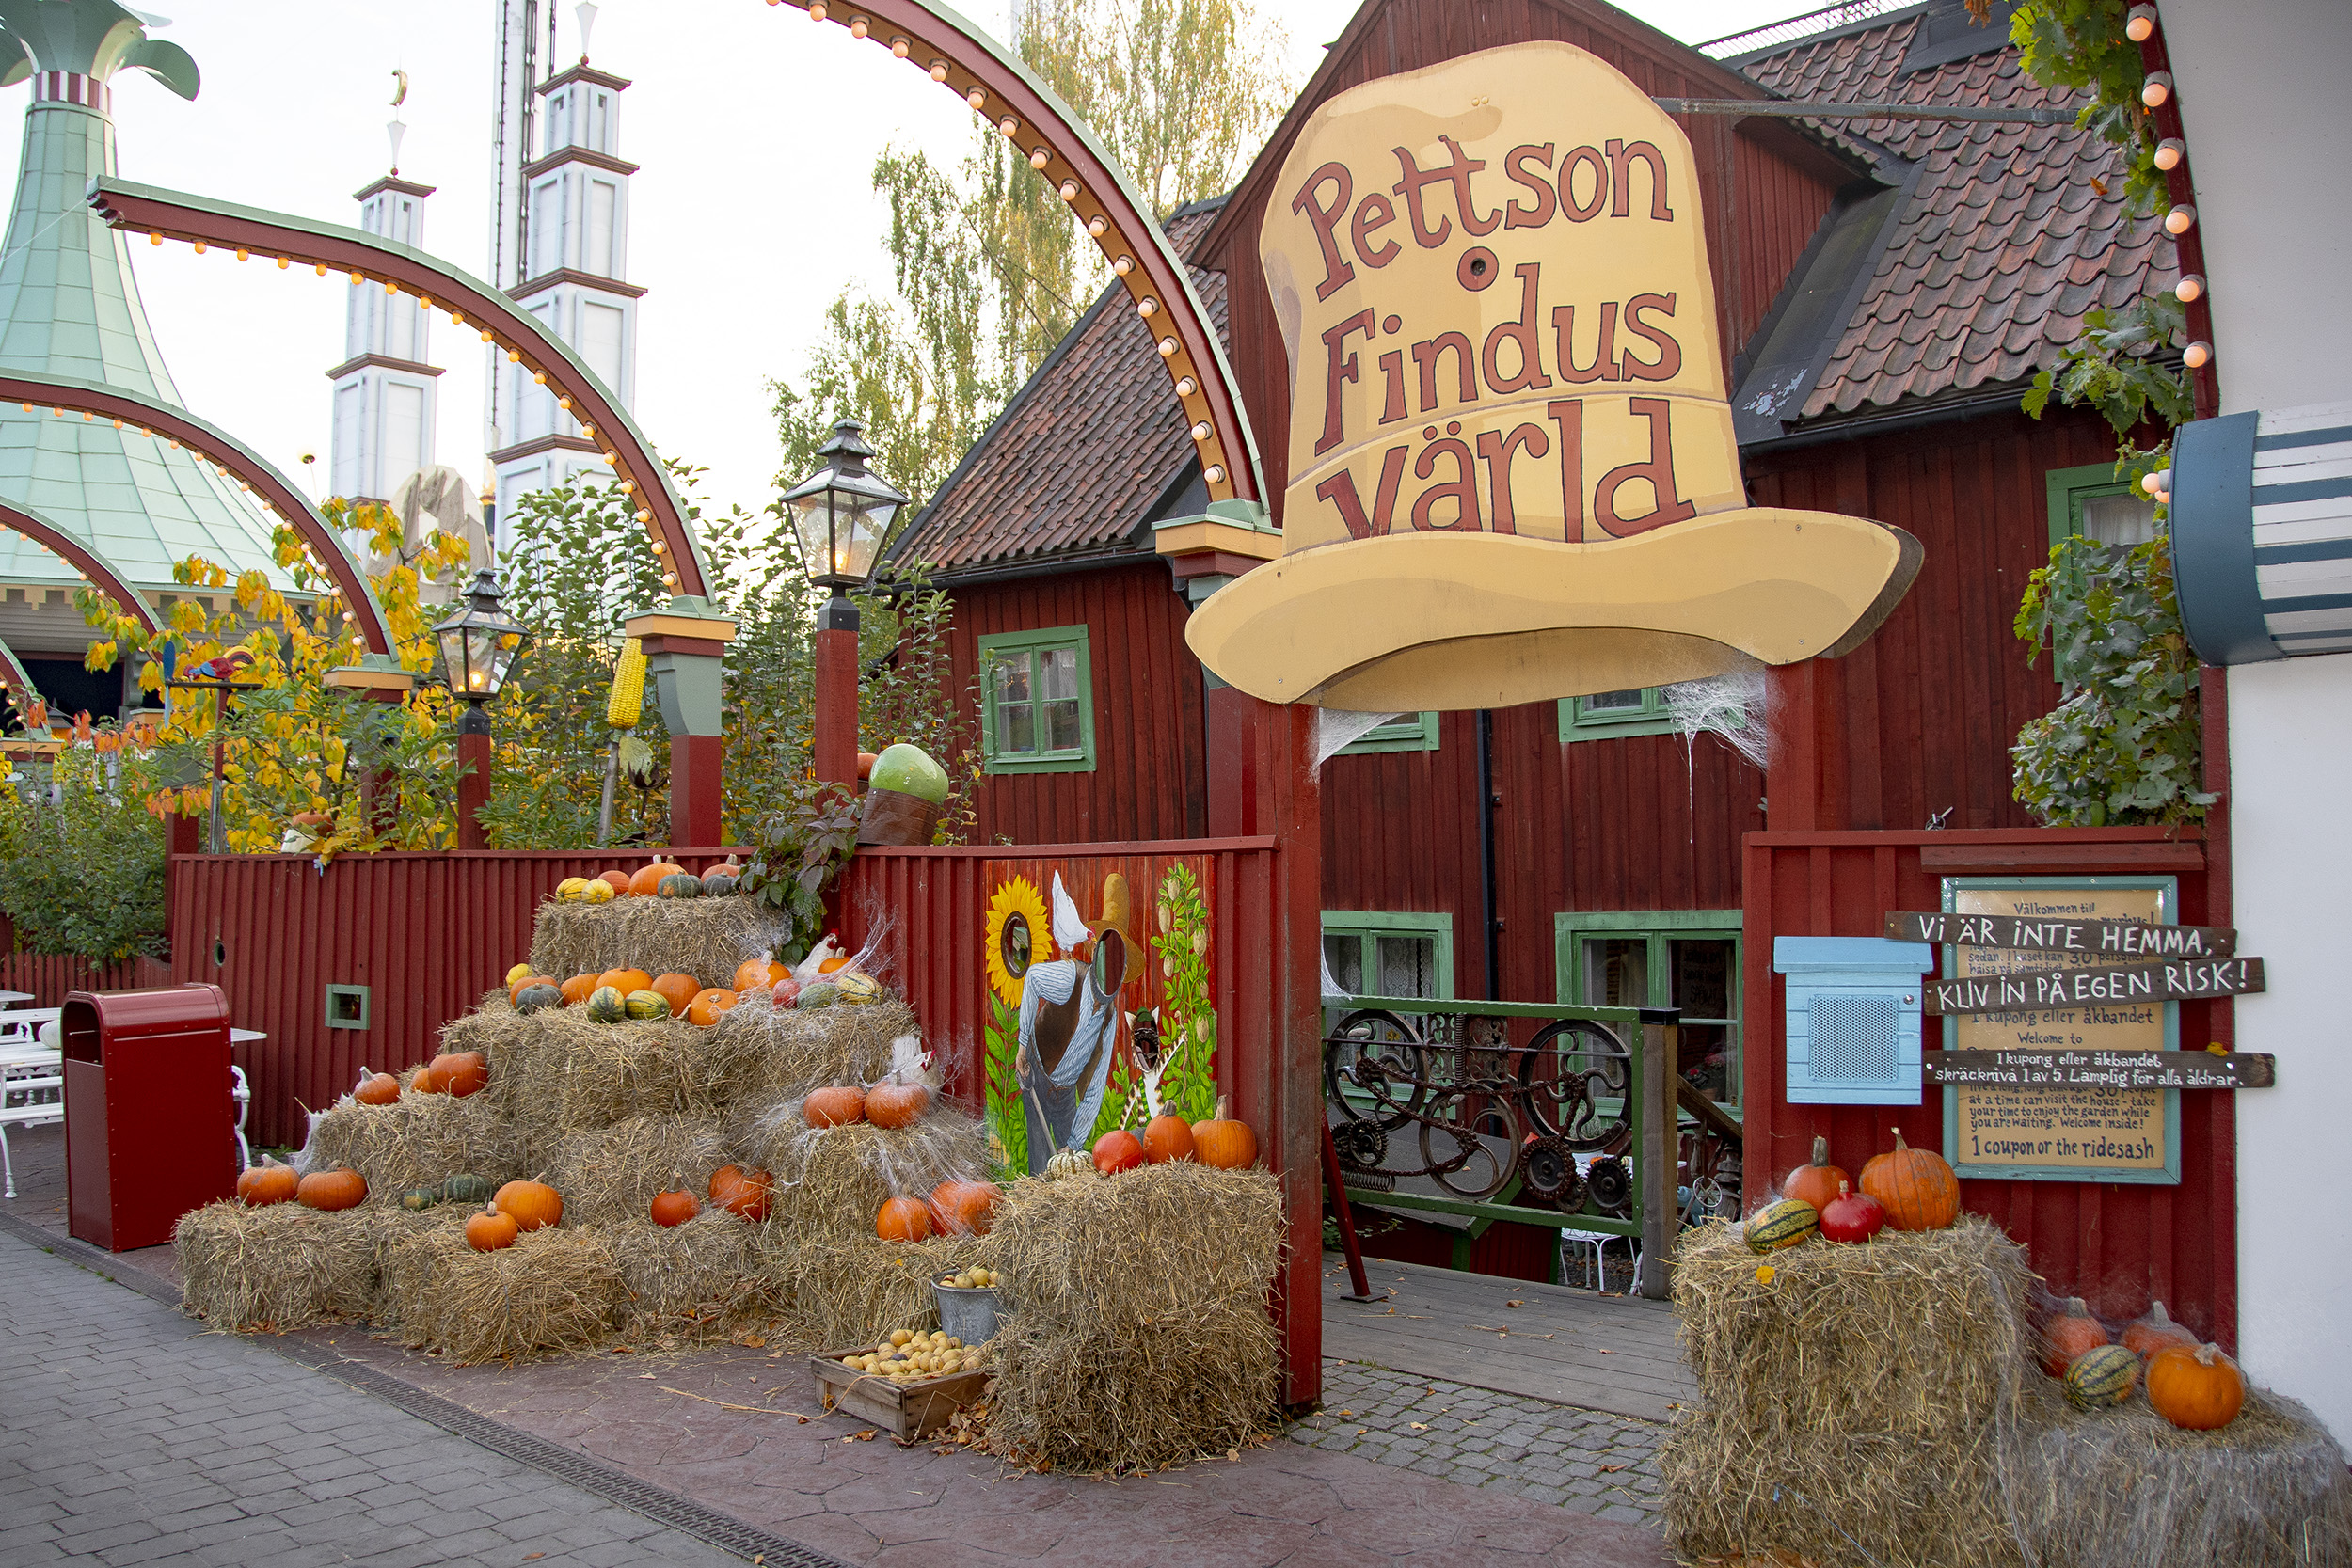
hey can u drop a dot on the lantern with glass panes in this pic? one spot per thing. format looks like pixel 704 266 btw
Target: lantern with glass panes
pixel 479 644
pixel 841 513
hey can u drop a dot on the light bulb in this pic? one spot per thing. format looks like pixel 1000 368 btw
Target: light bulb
pixel 1009 125
pixel 513 356
pixel 978 98
pixel 1214 474
pixel 391 287
pixel 319 267
pixel 1186 385
pixel 660 547
pixel 284 262
pixel 1070 190
pixel 200 247
pixel 939 70
pixel 899 47
pixel 357 279
pixel 817 10
pixel 1039 157
pixel 539 377
pixel 154 238
pixel 1201 431
pixel 485 334
pixel 2189 288
pixel 1124 265
pixel 1095 226
pixel 1167 348
pixel 2157 89
pixel 2180 220
pixel 645 517
pixel 243 254
pixel 2139 24
pixel 2169 153
pixel 564 403
pixel 2198 356
pixel 858 27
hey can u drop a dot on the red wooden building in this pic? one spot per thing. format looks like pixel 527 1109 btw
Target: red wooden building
pixel 1886 288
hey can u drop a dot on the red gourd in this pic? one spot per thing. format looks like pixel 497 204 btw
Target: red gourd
pixel 2070 1331
pixel 1117 1151
pixel 1851 1216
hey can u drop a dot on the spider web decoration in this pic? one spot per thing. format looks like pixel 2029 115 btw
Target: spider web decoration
pixel 1734 706
pixel 1339 728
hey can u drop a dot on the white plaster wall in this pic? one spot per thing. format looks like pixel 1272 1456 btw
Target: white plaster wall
pixel 2271 150
pixel 2291 842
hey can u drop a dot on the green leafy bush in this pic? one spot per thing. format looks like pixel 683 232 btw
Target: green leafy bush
pixel 84 873
pixel 2125 747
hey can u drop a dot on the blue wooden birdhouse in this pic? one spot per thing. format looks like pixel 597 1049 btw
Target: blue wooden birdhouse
pixel 1852 1032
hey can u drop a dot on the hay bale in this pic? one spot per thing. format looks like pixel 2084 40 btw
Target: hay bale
pixel 832 1180
pixel 2124 1488
pixel 706 938
pixel 1138 1334
pixel 1855 1401
pixel 840 1291
pixel 763 1054
pixel 275 1268
pixel 612 1174
pixel 554 1291
pixel 417 1140
pixel 557 1072
pixel 692 1280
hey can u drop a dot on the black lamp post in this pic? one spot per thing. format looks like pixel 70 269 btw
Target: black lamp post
pixel 479 645
pixel 841 513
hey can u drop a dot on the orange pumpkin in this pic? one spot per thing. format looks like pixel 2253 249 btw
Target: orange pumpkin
pixel 740 1192
pixel 624 980
pixel 461 1072
pixel 427 1081
pixel 576 990
pixel 830 965
pixel 896 1104
pixel 1167 1137
pixel 532 1204
pixel 266 1183
pixel 1915 1185
pixel 834 1107
pixel 516 987
pixel 2070 1331
pixel 708 1005
pixel 1222 1143
pixel 678 990
pixel 645 881
pixel 492 1230
pixel 963 1208
pixel 380 1089
pixel 619 882
pixel 1818 1183
pixel 671 1208
pixel 332 1190
pixel 752 974
pixel 2199 1389
pixel 903 1219
pixel 2155 1332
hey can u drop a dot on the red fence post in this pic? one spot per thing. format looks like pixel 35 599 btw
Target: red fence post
pixel 834 743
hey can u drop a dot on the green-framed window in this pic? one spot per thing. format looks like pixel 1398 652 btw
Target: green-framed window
pixel 1609 714
pixel 2091 500
pixel 1406 732
pixel 1375 953
pixel 1686 959
pixel 1036 701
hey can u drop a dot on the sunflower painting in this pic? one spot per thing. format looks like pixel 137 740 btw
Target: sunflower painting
pixel 1018 937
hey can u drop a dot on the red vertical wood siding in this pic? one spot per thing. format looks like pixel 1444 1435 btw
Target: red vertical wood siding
pixel 49 976
pixel 428 934
pixel 1150 778
pixel 2118 1245
pixel 1753 235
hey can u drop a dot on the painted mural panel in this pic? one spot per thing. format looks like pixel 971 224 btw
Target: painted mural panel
pixel 1097 1000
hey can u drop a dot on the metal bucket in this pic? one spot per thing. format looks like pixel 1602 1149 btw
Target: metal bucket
pixel 966 1313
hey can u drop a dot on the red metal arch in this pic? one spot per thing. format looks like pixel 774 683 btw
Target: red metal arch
pixel 402 269
pixel 12 677
pixel 92 399
pixel 77 553
pixel 1041 126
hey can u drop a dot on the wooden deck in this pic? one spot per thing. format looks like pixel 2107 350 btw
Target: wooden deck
pixel 1616 1354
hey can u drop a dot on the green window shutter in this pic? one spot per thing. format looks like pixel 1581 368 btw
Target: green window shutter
pixel 1036 701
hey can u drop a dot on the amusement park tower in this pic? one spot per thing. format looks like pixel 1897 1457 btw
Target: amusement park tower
pixel 383 392
pixel 560 247
pixel 70 308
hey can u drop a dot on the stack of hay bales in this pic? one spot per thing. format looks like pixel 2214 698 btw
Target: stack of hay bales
pixel 610 1115
pixel 1882 1404
pixel 1138 1334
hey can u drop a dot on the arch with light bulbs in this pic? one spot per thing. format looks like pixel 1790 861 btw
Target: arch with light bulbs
pixel 76 553
pixel 12 677
pixel 64 396
pixel 364 257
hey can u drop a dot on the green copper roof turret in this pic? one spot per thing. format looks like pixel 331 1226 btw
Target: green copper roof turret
pixel 70 307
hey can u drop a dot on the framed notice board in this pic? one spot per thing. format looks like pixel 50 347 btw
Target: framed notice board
pixel 2061 1135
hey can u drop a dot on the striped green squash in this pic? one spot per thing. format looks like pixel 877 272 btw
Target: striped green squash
pixel 465 1188
pixel 1782 1224
pixel 419 1198
pixel 647 1003
pixel 2103 1376
pixel 605 1005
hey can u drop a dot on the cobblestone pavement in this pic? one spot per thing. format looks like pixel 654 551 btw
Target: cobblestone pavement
pixel 1584 1459
pixel 128 1437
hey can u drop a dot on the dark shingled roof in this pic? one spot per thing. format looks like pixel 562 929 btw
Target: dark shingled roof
pixel 2005 244
pixel 1083 454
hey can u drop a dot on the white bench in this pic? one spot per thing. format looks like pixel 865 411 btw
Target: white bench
pixel 32 1094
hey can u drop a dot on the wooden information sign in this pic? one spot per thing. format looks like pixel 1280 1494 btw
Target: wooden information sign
pixel 2112 984
pixel 2059 999
pixel 2120 1070
pixel 2108 938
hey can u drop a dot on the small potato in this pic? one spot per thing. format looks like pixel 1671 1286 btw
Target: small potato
pixel 954 1343
pixel 901 1336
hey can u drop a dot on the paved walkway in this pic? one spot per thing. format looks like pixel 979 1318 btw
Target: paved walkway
pixel 128 1437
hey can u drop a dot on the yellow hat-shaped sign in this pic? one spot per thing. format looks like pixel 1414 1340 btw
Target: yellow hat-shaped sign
pixel 1513 475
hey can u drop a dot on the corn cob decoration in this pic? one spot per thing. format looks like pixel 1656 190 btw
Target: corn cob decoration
pixel 628 702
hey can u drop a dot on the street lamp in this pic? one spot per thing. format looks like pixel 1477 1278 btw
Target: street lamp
pixel 841 513
pixel 479 645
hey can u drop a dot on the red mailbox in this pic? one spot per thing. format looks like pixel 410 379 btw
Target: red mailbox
pixel 150 1128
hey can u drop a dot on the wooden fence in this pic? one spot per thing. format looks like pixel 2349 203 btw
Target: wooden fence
pixel 2116 1245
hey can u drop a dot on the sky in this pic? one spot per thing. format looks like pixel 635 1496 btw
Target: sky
pixel 756 131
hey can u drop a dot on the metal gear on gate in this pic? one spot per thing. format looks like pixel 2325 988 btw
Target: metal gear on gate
pixel 1360 1144
pixel 1611 1184
pixel 1546 1167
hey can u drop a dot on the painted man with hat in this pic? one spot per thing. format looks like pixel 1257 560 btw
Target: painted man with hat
pixel 1070 1016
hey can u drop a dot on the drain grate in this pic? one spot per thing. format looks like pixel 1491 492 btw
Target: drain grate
pixel 663 1506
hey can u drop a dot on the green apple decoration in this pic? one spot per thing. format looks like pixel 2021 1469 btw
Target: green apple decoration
pixel 910 770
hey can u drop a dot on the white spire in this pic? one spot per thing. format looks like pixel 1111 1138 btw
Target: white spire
pixel 587 14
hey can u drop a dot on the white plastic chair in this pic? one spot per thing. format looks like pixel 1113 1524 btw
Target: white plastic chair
pixel 1597 1240
pixel 239 1092
pixel 32 1094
